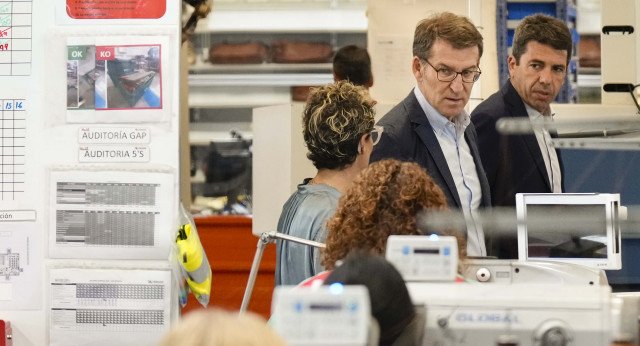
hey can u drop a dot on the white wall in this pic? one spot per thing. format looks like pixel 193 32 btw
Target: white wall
pixel 390 37
pixel 53 141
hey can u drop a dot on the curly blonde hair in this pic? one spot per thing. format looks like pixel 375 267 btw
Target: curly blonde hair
pixel 334 119
pixel 383 200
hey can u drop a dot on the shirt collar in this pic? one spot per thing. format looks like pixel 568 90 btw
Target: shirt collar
pixel 437 120
pixel 534 115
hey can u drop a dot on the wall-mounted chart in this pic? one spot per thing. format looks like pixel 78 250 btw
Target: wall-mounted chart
pixel 110 214
pixel 15 37
pixel 12 148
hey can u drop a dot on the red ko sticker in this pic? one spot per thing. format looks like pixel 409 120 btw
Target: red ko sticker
pixel 105 53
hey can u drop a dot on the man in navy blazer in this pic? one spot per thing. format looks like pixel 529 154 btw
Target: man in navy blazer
pixel 432 128
pixel 524 163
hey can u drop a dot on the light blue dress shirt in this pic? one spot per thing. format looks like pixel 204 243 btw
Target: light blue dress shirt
pixel 450 136
pixel 547 149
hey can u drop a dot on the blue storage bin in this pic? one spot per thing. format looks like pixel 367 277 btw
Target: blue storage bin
pixel 575 36
pixel 573 67
pixel 520 10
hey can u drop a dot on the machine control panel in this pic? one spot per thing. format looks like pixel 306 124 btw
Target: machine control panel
pixel 424 258
pixel 325 315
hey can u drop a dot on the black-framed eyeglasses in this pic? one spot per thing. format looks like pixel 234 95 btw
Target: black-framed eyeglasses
pixel 448 75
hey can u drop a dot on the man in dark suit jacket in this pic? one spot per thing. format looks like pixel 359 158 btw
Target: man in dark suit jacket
pixel 524 163
pixel 431 126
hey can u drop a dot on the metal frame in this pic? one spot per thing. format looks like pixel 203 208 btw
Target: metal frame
pixel 265 239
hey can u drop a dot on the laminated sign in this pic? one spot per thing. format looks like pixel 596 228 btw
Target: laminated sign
pixel 113 77
pixel 116 9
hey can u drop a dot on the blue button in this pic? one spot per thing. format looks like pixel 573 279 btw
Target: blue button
pixel 447 251
pixel 405 250
pixel 336 288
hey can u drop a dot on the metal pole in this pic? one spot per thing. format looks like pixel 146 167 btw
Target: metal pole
pixel 266 239
pixel 253 274
pixel 295 239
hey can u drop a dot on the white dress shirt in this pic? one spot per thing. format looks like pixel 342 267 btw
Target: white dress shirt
pixel 456 151
pixel 549 154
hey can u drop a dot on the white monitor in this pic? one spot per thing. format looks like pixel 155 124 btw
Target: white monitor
pixel 580 228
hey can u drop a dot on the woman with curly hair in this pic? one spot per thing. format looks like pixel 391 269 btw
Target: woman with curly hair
pixel 338 130
pixel 382 201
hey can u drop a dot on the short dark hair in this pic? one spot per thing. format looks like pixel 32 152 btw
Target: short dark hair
pixel 390 302
pixel 457 30
pixel 353 63
pixel 334 119
pixel 545 30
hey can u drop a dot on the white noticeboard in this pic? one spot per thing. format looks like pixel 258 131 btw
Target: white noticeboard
pixel 89 138
pixel 107 307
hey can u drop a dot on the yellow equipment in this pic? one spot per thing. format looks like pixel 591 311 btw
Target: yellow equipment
pixel 193 259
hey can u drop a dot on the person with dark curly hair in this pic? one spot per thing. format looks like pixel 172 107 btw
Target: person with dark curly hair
pixel 383 200
pixel 338 130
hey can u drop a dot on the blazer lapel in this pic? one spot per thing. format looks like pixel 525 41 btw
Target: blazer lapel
pixel 470 137
pixel 554 134
pixel 428 137
pixel 517 109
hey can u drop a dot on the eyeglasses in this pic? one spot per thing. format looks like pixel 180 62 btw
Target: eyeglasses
pixel 448 75
pixel 376 133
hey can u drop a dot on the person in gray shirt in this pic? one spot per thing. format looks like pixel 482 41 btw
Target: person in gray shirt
pixel 339 132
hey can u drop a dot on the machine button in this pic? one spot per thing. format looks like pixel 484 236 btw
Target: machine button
pixel 483 274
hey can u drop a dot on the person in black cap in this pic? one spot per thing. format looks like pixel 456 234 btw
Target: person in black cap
pixel 400 323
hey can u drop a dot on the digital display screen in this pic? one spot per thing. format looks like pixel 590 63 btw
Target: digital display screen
pixel 426 251
pixel 326 307
pixel 588 239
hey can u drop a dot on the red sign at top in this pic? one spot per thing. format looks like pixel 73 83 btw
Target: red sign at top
pixel 116 9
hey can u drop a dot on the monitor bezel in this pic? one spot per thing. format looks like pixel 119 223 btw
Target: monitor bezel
pixel 611 202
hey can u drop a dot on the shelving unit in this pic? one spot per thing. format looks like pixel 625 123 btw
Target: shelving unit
pixel 589 27
pixel 222 96
pixel 509 13
pixel 308 20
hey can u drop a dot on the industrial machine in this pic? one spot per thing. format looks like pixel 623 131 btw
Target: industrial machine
pixel 424 258
pixel 129 78
pixel 334 315
pixel 538 272
pixel 467 314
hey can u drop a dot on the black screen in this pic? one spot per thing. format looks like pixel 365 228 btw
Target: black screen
pixel 580 233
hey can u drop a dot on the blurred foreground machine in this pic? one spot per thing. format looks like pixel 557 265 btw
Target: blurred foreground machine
pixel 459 314
pixel 515 302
